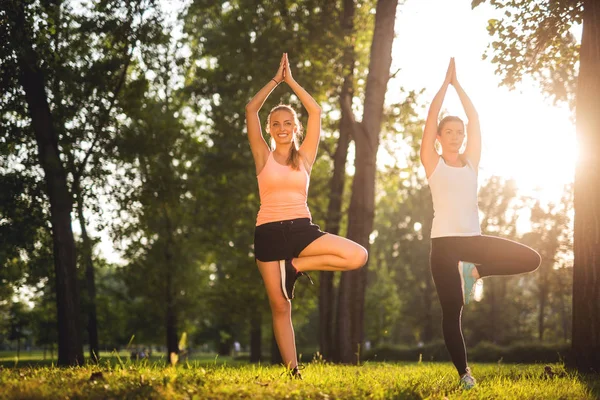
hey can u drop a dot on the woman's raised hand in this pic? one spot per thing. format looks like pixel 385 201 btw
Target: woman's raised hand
pixel 287 72
pixel 451 72
pixel 279 76
pixel 453 79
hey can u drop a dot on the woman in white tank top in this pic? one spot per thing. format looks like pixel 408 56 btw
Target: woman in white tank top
pixel 460 254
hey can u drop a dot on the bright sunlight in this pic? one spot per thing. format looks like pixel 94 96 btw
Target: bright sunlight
pixel 525 136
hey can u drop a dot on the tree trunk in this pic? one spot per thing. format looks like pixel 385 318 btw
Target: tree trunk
pixel 362 203
pixel 171 310
pixel 70 348
pixel 170 313
pixel 225 346
pixel 171 321
pixel 493 318
pixel 543 300
pixel 336 194
pixel 586 239
pixel 275 354
pixel 427 335
pixel 429 291
pixel 563 306
pixel 256 337
pixel 90 281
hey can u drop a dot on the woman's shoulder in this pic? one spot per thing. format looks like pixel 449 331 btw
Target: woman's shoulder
pixel 469 164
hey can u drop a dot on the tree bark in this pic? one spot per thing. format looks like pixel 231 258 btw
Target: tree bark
pixel 543 297
pixel 275 354
pixel 336 194
pixel 362 203
pixel 586 239
pixel 171 310
pixel 171 320
pixel 429 291
pixel 427 335
pixel 90 281
pixel 70 349
pixel 256 337
pixel 493 317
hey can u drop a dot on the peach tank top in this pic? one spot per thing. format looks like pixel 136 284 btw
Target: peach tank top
pixel 283 192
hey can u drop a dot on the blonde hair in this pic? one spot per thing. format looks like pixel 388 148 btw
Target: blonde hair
pixel 294 156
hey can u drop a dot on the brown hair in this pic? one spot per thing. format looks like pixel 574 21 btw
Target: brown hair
pixel 294 157
pixel 449 118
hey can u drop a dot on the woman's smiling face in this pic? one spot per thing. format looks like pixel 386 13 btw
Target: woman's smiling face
pixel 282 126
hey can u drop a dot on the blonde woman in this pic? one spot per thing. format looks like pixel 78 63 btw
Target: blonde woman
pixel 286 242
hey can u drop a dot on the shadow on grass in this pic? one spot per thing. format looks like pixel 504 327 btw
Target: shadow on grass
pixel 592 381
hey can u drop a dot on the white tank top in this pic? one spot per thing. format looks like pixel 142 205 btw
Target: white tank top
pixel 454 194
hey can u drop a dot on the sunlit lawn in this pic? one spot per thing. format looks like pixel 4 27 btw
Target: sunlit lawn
pixel 220 378
pixel 9 359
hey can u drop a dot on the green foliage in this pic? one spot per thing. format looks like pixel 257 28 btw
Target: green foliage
pixel 44 319
pixel 18 320
pixel 384 305
pixel 156 160
pixel 22 223
pixel 535 38
pixel 483 352
pixel 85 50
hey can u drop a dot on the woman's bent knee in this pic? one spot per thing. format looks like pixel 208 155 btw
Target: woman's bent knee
pixel 358 258
pixel 534 261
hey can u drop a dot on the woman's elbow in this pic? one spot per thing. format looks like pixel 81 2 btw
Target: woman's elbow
pixel 251 108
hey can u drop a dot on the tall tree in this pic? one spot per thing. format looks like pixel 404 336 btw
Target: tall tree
pixel 403 225
pixel 83 51
pixel 159 153
pixel 32 79
pixel 350 318
pixel 586 269
pixel 553 52
pixel 337 182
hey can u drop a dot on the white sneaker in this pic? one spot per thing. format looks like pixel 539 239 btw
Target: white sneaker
pixel 467 281
pixel 467 381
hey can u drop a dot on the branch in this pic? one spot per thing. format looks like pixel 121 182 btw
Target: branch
pixel 327 149
pixel 395 73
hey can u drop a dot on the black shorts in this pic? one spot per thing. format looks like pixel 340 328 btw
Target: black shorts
pixel 284 240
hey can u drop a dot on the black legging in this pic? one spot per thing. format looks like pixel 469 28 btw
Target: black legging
pixel 494 256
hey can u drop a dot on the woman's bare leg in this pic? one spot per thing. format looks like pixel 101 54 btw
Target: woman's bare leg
pixel 281 310
pixel 331 253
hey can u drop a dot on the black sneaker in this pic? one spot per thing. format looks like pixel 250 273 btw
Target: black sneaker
pixel 289 274
pixel 294 373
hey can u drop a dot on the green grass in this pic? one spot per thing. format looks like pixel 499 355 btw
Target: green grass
pixel 211 380
pixel 8 359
